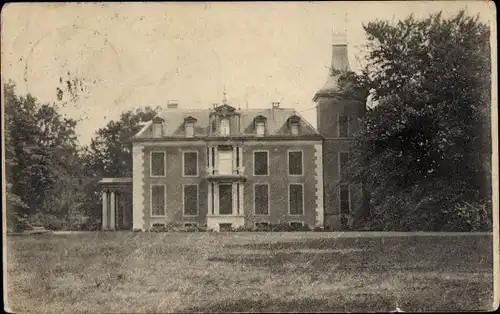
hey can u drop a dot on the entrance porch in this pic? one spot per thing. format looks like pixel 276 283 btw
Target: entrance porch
pixel 116 196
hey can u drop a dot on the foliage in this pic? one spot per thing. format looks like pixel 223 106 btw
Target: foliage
pixel 425 147
pixel 42 162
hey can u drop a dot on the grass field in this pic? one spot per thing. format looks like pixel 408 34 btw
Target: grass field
pixel 124 272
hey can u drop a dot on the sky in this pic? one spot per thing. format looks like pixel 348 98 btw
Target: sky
pixel 133 55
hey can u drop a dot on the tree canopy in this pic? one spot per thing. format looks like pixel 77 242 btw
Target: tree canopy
pixel 424 150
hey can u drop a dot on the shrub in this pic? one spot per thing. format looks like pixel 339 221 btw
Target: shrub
pixel 467 216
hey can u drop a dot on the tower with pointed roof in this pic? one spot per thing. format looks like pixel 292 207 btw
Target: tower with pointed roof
pixel 337 113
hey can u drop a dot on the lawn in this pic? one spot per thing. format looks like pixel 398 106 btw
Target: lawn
pixel 126 272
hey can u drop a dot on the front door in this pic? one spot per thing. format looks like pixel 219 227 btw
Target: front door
pixel 225 199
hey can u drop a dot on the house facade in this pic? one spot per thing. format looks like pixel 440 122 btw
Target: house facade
pixel 229 167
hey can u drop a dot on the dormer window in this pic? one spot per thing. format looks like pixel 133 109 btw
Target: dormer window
pixel 224 127
pixel 189 126
pixel 260 128
pixel 260 125
pixel 157 127
pixel 294 124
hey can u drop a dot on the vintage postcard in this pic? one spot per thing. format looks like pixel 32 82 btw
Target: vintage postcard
pixel 249 157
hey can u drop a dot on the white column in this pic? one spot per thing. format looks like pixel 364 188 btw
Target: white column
pixel 112 206
pixel 241 198
pixel 209 198
pixel 216 199
pixel 210 165
pixel 235 199
pixel 216 166
pixel 104 210
pixel 240 152
pixel 234 171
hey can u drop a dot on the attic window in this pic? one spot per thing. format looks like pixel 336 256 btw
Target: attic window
pixel 224 127
pixel 260 128
pixel 294 124
pixel 190 129
pixel 157 129
pixel 189 126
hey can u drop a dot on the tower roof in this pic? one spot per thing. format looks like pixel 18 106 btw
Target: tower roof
pixel 339 64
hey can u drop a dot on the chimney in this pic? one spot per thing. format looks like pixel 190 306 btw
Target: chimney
pixel 173 104
pixel 276 104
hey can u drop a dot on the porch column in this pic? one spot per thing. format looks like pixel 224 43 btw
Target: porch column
pixel 216 199
pixel 234 170
pixel 235 199
pixel 112 213
pixel 216 166
pixel 210 196
pixel 240 205
pixel 104 209
pixel 210 166
pixel 240 153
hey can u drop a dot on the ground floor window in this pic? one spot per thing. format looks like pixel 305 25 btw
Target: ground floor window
pixel 225 199
pixel 345 199
pixel 191 200
pixel 296 199
pixel 261 199
pixel 158 199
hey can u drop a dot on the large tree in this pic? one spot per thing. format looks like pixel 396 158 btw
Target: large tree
pixel 42 161
pixel 424 150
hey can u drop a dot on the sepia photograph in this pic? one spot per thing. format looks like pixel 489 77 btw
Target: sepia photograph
pixel 251 157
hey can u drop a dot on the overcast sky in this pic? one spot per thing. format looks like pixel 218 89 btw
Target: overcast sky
pixel 132 55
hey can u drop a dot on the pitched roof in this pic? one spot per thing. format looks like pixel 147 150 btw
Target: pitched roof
pixel 276 122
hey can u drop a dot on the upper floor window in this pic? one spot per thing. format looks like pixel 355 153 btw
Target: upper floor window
pixel 295 163
pixel 157 129
pixel 190 163
pixel 260 163
pixel 260 128
pixel 343 126
pixel 224 127
pixel 158 164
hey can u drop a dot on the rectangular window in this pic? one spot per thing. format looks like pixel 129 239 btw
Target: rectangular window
pixel 260 128
pixel 225 160
pixel 191 200
pixel 345 202
pixel 343 126
pixel 260 164
pixel 158 200
pixel 261 199
pixel 295 163
pixel 189 130
pixel 190 164
pixel 343 159
pixel 296 199
pixel 157 129
pixel 295 129
pixel 157 164
pixel 224 127
pixel 225 199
